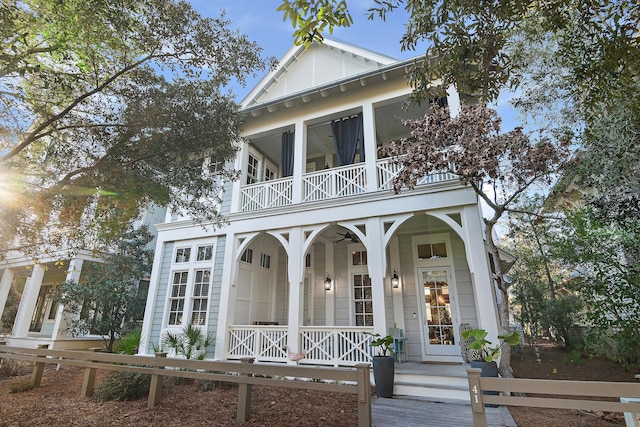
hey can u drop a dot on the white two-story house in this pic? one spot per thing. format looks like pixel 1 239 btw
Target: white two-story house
pixel 318 251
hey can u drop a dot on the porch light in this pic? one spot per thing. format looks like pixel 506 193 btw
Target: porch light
pixel 327 283
pixel 395 280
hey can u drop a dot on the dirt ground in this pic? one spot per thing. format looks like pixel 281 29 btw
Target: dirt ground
pixel 556 365
pixel 56 402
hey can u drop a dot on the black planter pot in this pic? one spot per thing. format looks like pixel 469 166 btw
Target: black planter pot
pixel 488 369
pixel 383 375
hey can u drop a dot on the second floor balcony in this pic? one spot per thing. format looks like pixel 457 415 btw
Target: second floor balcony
pixel 336 155
pixel 326 184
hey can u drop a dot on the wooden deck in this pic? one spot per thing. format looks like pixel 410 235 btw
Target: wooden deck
pixel 409 412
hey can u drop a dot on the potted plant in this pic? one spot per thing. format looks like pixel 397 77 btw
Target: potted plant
pixel 383 363
pixel 482 354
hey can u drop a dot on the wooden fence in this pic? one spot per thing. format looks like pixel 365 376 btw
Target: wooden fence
pixel 514 388
pixel 245 374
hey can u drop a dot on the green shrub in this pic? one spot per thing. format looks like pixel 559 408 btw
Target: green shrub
pixel 21 386
pixel 129 343
pixel 123 386
pixel 11 368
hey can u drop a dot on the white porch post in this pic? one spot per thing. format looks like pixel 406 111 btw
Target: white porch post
pixel 375 260
pixel 227 303
pixel 330 296
pixel 295 275
pixel 28 302
pixel 5 285
pixel 299 161
pixel 480 273
pixel 398 303
pixel 73 274
pixel 370 148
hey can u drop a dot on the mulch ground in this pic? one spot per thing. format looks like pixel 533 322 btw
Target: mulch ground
pixel 556 364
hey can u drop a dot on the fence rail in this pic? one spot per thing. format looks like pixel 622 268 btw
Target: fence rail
pixel 343 380
pixel 595 390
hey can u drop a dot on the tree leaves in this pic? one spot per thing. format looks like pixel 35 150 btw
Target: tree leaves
pixel 120 100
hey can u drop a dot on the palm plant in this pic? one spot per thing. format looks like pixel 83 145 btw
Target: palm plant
pixel 190 343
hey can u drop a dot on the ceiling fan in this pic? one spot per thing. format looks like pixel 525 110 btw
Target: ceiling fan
pixel 348 236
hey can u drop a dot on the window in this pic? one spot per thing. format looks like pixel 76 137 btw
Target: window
pixel 307 261
pixel 359 258
pixel 269 174
pixel 252 170
pixel 265 261
pixel 183 254
pixel 176 301
pixel 200 297
pixel 247 256
pixel 205 253
pixel 362 297
pixel 432 250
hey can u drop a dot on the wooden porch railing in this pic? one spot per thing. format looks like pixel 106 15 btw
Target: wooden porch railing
pixel 341 380
pixel 596 390
pixel 324 345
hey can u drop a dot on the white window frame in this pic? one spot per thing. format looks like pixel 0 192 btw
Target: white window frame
pixel 192 293
pixel 354 270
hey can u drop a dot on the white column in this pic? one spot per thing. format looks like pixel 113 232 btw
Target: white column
pixel 330 296
pixel 370 148
pixel 227 303
pixel 5 285
pixel 28 302
pixel 375 257
pixel 398 303
pixel 480 274
pixel 299 160
pixel 453 101
pixel 296 295
pixel 73 275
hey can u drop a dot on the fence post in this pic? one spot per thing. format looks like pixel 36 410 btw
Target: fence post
pixel 364 395
pixel 89 377
pixel 38 367
pixel 477 405
pixel 155 388
pixel 244 395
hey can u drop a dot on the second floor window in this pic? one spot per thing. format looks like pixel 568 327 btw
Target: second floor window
pixel 252 170
pixel 183 254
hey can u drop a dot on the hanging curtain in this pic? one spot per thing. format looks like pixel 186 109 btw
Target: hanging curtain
pixel 347 137
pixel 286 154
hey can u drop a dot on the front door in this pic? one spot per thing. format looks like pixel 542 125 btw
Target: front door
pixel 439 315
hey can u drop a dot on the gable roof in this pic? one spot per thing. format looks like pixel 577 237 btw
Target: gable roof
pixel 302 69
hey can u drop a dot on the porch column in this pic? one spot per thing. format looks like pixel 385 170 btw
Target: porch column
pixel 375 260
pixel 5 285
pixel 330 296
pixel 296 296
pixel 483 289
pixel 73 274
pixel 370 148
pixel 227 304
pixel 28 302
pixel 152 296
pixel 398 303
pixel 299 160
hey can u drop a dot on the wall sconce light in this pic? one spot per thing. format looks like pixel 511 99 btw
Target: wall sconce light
pixel 395 280
pixel 327 283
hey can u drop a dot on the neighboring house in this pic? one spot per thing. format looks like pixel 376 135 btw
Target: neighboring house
pixel 315 234
pixel 39 319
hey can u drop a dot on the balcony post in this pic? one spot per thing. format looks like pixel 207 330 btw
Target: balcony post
pixel 296 296
pixel 370 149
pixel 299 161
pixel 376 265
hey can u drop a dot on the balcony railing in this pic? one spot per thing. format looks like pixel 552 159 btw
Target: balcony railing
pixel 326 184
pixel 324 345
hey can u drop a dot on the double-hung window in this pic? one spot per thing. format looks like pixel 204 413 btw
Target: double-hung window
pixel 190 283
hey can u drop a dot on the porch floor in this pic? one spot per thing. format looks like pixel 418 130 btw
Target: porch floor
pixel 435 368
pixel 409 412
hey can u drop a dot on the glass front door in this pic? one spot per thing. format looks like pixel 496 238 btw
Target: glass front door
pixel 439 317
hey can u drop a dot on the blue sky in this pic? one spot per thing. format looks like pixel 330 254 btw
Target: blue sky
pixel 260 20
